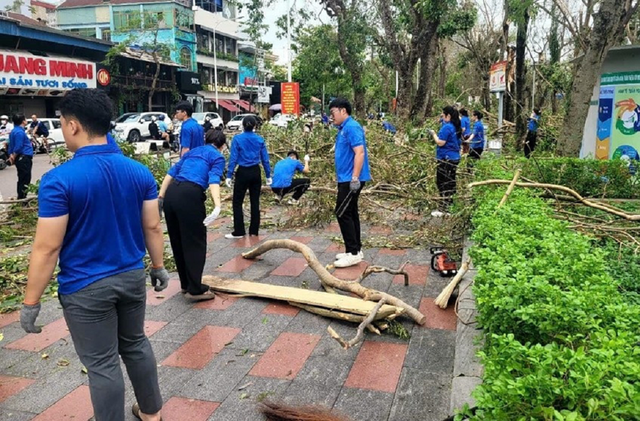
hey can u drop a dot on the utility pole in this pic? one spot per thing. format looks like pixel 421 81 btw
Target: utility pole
pixel 289 39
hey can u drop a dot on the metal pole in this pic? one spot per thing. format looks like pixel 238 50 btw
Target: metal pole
pixel 215 66
pixel 533 90
pixel 500 108
pixel 322 97
pixel 289 39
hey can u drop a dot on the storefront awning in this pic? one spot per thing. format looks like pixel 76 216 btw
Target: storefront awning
pixel 228 105
pixel 244 104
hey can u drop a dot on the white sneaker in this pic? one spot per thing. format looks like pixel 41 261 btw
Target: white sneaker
pixel 437 214
pixel 341 255
pixel 232 237
pixel 293 202
pixel 348 260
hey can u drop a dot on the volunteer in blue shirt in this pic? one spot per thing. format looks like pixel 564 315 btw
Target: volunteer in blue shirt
pixel 283 181
pixel 191 133
pixel 21 153
pixel 476 140
pixel 532 133
pixel 352 172
pixel 182 197
pixel 247 151
pixel 96 213
pixel 448 142
pixel 163 128
pixel 465 123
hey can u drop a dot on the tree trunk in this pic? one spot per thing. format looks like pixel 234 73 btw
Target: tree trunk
pixel 521 44
pixel 154 82
pixel 486 93
pixel 405 87
pixel 608 26
pixel 442 70
pixel 427 65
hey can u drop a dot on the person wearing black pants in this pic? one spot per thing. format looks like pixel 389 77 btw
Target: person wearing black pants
pixel 349 217
pixel 283 181
pixel 182 197
pixel 532 133
pixel 248 150
pixel 448 141
pixel 21 154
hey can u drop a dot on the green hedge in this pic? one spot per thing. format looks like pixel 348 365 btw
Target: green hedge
pixel 561 341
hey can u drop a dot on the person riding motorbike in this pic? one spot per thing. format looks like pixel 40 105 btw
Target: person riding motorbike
pixel 5 126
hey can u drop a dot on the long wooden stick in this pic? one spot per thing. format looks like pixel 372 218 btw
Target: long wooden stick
pixel 327 278
pixel 510 188
pixel 360 333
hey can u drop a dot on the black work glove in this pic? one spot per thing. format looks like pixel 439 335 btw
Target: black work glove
pixel 28 316
pixel 159 278
pixel 160 205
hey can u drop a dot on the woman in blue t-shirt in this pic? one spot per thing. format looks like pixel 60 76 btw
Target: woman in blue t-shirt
pixel 448 142
pixel 476 140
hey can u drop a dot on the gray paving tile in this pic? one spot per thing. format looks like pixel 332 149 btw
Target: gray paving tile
pixel 435 284
pixel 35 366
pixel 461 392
pixel 162 349
pixel 13 358
pixel 364 405
pixel 169 310
pixel 260 332
pixel 410 294
pixel 181 329
pixel 421 396
pixel 241 405
pixel 13 332
pixel 431 351
pixel 319 382
pixel 378 281
pixel 305 322
pixel 10 415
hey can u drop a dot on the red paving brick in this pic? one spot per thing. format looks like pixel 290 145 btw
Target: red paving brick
pixel 380 229
pixel 332 227
pixel 213 236
pixel 281 308
pixel 377 366
pixel 438 318
pixel 221 302
pixel 74 406
pixel 178 408
pixel 156 298
pixel 293 266
pixel 352 272
pixel 248 241
pixel 335 248
pixel 151 327
pixel 236 265
pixel 202 347
pixel 8 318
pixel 390 252
pixel 417 275
pixel 10 386
pixel 411 217
pixel 50 334
pixel 286 356
pixel 303 240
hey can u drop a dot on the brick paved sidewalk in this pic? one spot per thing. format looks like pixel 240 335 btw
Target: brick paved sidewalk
pixel 217 359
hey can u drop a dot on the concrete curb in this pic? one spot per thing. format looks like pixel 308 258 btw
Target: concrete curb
pixel 467 370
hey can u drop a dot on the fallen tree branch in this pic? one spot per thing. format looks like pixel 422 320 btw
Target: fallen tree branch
pixel 327 278
pixel 380 269
pixel 360 332
pixel 443 299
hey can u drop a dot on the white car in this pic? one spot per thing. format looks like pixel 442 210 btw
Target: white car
pixel 134 127
pixel 215 119
pixel 281 120
pixel 235 124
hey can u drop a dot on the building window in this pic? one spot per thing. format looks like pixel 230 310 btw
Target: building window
pixel 83 32
pixel 126 20
pixel 106 35
pixel 185 57
pixel 231 46
pixel 184 19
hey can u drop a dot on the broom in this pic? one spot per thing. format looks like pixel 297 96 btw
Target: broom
pixel 443 298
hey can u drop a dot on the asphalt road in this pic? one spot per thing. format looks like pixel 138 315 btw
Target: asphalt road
pixel 9 176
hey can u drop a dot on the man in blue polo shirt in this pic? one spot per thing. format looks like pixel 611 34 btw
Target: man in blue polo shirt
pixel 352 171
pixel 96 214
pixel 191 133
pixel 21 153
pixel 283 181
pixel 532 133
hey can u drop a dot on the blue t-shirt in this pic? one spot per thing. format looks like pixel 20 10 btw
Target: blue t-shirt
pixel 478 136
pixel 389 127
pixel 451 149
pixel 202 166
pixel 248 149
pixel 283 172
pixel 191 134
pixel 162 126
pixel 350 135
pixel 533 123
pixel 466 125
pixel 19 142
pixel 102 191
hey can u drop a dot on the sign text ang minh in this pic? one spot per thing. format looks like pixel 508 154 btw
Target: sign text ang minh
pixel 290 98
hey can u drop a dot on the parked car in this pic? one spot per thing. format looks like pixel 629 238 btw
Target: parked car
pixel 134 127
pixel 216 120
pixel 281 120
pixel 235 124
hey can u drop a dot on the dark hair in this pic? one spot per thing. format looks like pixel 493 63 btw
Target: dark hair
pixel 537 111
pixel 91 107
pixel 478 114
pixel 464 112
pixel 455 119
pixel 341 103
pixel 215 137
pixel 185 106
pixel 292 152
pixel 18 119
pixel 249 123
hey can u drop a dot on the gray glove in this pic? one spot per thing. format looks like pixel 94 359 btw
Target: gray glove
pixel 28 316
pixel 160 205
pixel 159 278
pixel 354 185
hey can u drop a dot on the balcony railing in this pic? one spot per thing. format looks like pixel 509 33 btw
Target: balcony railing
pixel 141 82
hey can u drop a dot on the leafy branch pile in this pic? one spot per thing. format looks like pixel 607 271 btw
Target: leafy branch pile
pixel 561 340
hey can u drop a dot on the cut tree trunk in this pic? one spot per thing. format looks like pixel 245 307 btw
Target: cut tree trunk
pixel 520 110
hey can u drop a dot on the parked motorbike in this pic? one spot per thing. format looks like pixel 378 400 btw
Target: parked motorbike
pixel 4 155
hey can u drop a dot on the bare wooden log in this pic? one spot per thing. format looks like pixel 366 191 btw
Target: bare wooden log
pixel 379 269
pixel 510 188
pixel 327 278
pixel 360 332
pixel 335 314
pixel 575 194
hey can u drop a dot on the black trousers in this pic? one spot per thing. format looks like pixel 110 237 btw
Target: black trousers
pixel 530 143
pixel 184 212
pixel 446 181
pixel 475 153
pixel 298 187
pixel 247 178
pixel 348 217
pixel 24 163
